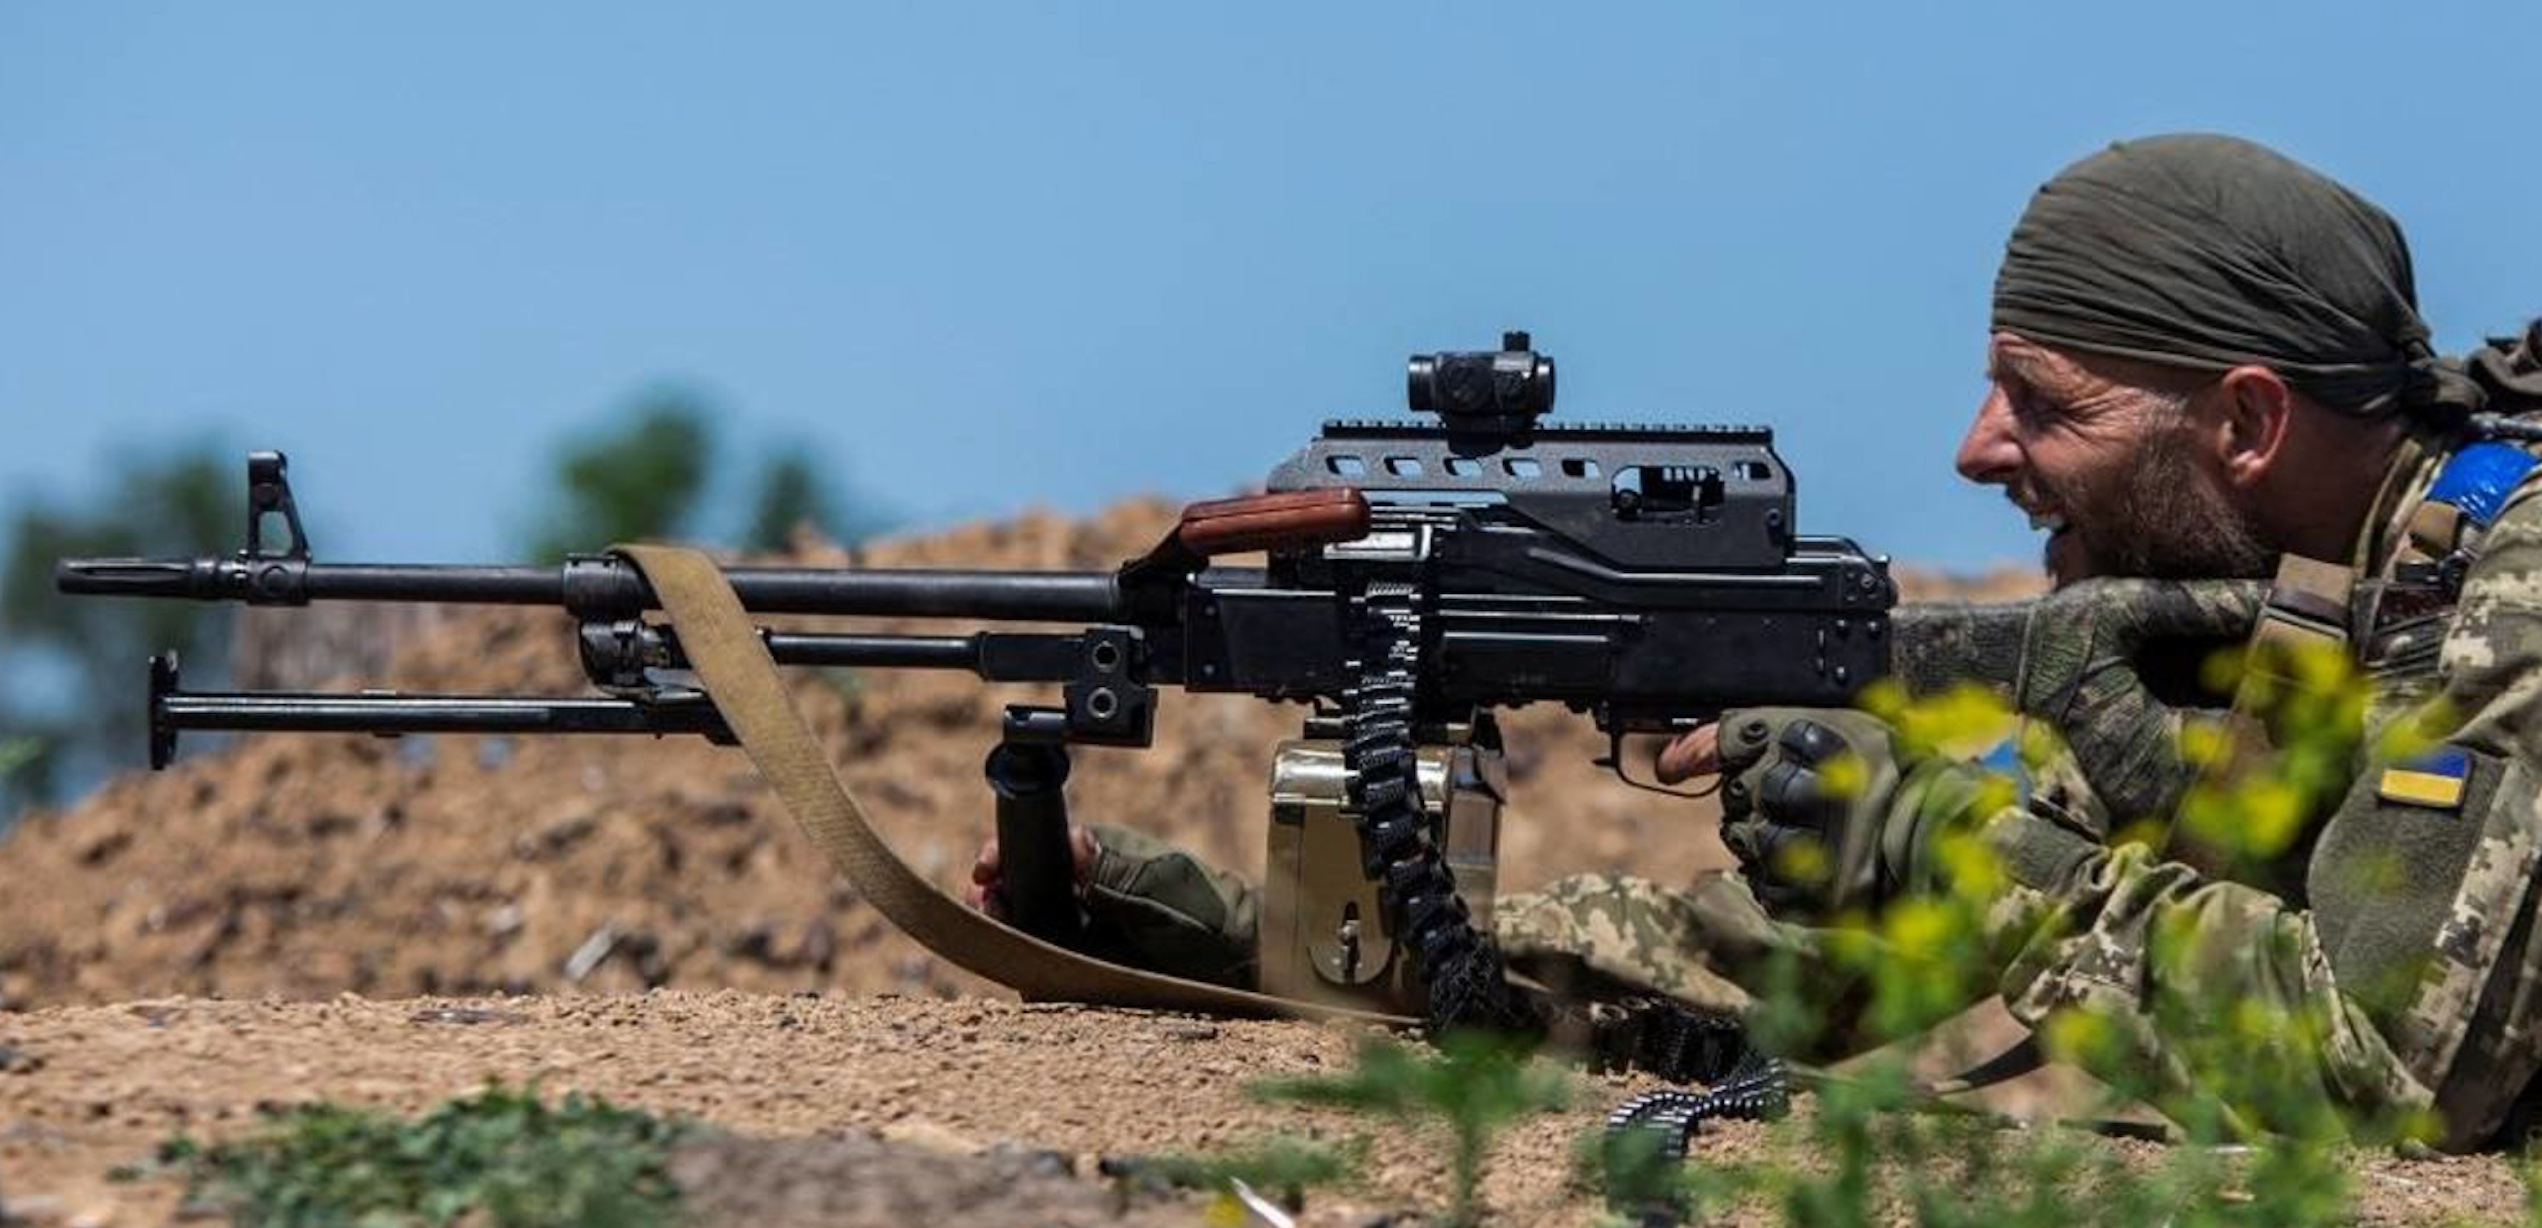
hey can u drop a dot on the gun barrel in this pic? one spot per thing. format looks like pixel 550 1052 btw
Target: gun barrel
pixel 395 714
pixel 1038 596
pixel 607 584
pixel 876 651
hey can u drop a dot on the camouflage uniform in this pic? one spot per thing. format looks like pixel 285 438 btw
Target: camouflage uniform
pixel 1153 905
pixel 2404 942
pixel 2399 933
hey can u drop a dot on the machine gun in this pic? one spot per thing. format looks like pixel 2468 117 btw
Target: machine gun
pixel 1418 575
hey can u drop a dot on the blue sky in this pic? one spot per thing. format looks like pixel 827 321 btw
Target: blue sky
pixel 980 257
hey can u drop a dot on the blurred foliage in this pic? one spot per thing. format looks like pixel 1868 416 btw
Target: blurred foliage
pixel 638 478
pixel 2260 1138
pixel 182 502
pixel 1472 1087
pixel 791 496
pixel 1285 1165
pixel 18 751
pixel 500 1158
pixel 71 670
pixel 647 473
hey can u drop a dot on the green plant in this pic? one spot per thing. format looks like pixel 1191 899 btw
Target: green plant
pixel 1286 1165
pixel 638 478
pixel 59 656
pixel 1474 1086
pixel 17 751
pixel 501 1158
pixel 2529 1170
pixel 2238 1074
pixel 792 494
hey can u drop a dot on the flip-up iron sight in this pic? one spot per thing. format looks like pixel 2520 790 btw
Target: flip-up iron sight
pixel 1500 391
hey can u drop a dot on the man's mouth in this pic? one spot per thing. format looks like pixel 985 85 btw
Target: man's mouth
pixel 2061 554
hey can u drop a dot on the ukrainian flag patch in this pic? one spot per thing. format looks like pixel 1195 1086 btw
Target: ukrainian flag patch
pixel 2435 780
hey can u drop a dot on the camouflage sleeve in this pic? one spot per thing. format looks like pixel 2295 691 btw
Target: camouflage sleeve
pixel 1152 905
pixel 2186 986
pixel 2411 981
pixel 1605 935
pixel 2462 883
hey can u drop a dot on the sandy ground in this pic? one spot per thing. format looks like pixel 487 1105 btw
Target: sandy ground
pixel 99 1086
pixel 819 1081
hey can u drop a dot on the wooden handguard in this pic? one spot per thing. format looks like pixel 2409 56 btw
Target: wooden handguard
pixel 1273 522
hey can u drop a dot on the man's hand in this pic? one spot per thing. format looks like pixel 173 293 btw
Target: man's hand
pixel 1147 905
pixel 1805 793
pixel 1696 752
pixel 986 876
pixel 2079 673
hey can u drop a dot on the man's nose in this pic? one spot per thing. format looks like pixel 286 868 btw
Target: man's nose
pixel 1989 453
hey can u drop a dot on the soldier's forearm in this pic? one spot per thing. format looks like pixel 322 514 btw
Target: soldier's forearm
pixel 2197 996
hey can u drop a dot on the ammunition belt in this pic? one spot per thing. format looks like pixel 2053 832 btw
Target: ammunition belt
pixel 1460 967
pixel 1760 1088
pixel 1462 973
pixel 1667 1038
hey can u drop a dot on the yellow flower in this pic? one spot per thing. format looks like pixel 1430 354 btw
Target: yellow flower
pixel 2417 733
pixel 1844 776
pixel 2040 744
pixel 1885 698
pixel 2324 668
pixel 2223 669
pixel 1973 870
pixel 1923 929
pixel 2078 1037
pixel 1803 861
pixel 1964 720
pixel 2205 744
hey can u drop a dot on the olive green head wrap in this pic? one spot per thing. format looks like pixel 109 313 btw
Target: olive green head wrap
pixel 2207 252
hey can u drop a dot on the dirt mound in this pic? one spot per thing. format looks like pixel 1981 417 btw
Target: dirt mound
pixel 304 866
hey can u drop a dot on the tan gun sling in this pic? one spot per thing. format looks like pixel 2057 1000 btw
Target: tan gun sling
pixel 725 650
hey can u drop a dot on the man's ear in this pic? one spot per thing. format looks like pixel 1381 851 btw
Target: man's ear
pixel 2253 413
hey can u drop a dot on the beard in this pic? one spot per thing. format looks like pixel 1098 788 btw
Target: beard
pixel 2157 517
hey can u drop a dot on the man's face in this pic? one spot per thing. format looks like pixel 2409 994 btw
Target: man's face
pixel 2109 457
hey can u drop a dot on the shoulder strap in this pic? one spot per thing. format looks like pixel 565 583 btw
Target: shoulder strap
pixel 2307 611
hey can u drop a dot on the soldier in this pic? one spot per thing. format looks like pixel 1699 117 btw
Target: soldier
pixel 2206 363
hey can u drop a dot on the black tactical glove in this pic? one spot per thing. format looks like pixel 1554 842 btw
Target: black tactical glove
pixel 1804 795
